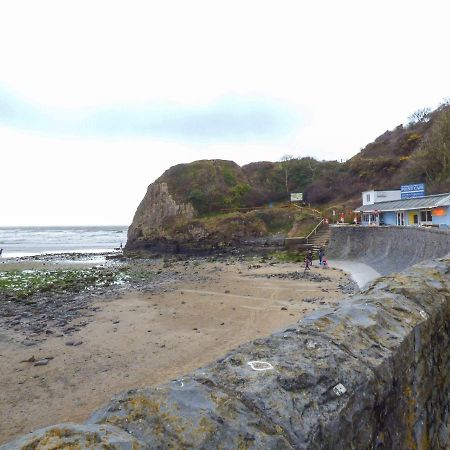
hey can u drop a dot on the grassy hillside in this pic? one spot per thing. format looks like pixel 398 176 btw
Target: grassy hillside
pixel 418 152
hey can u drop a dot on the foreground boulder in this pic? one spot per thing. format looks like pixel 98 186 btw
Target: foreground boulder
pixel 74 436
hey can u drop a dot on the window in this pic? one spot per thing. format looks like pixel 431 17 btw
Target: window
pixel 368 197
pixel 425 216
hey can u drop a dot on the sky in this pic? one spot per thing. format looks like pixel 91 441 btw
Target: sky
pixel 99 98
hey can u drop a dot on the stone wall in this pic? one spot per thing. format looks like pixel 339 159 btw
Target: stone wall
pixel 372 373
pixel 388 249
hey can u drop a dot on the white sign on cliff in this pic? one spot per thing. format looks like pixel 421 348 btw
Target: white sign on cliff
pixel 296 196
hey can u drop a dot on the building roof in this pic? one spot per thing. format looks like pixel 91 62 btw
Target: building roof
pixel 429 201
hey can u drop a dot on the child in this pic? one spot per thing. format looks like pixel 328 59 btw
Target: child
pixel 324 263
pixel 307 264
pixel 309 256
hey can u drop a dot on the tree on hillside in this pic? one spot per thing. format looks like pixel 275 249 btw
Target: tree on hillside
pixel 421 115
pixel 286 164
pixel 432 160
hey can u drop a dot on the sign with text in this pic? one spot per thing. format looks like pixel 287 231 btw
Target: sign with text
pixel 296 196
pixel 412 190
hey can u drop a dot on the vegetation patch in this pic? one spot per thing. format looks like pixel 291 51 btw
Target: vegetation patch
pixel 289 256
pixel 20 284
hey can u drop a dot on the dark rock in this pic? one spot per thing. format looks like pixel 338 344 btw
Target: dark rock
pixel 189 407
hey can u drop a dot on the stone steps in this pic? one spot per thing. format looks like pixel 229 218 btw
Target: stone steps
pixel 320 239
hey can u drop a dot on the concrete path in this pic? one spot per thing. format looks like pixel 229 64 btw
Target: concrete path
pixel 361 273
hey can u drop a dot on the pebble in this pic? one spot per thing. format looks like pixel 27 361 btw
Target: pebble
pixel 74 343
pixel 41 362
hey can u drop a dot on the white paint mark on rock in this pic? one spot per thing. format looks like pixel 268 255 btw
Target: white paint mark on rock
pixel 260 365
pixel 423 314
pixel 339 389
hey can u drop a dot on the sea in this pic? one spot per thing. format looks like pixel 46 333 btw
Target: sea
pixel 30 241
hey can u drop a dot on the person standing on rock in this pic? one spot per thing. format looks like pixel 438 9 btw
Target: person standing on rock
pixel 321 255
pixel 1 251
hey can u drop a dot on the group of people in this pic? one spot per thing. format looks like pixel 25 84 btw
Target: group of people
pixel 309 259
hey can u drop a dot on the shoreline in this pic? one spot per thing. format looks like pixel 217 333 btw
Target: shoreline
pixel 196 312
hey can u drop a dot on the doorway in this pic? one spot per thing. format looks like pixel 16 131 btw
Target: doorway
pixel 400 219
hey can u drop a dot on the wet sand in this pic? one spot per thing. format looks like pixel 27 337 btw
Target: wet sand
pixel 142 339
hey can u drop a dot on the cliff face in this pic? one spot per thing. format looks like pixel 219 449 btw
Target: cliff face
pixel 179 212
pixel 155 211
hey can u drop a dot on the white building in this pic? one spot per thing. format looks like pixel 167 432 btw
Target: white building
pixel 372 197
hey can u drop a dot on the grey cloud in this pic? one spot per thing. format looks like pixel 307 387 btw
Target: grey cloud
pixel 231 118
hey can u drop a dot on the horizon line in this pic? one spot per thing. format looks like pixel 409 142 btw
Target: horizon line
pixel 85 225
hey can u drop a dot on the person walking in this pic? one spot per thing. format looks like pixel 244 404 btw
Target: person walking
pixel 307 264
pixel 309 256
pixel 321 255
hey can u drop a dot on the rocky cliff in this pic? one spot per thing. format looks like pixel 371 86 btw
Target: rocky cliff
pixel 157 210
pixel 192 208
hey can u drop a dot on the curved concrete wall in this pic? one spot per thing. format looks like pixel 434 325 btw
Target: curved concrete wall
pixel 388 249
pixel 372 373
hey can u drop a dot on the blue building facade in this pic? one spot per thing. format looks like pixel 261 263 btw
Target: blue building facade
pixel 431 210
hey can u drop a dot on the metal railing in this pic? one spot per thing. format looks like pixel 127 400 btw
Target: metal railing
pixel 314 231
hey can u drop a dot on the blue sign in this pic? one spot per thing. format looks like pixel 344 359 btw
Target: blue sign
pixel 412 190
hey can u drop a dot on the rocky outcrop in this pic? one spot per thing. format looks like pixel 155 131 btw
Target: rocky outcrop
pixel 74 436
pixel 388 249
pixel 155 211
pixel 372 373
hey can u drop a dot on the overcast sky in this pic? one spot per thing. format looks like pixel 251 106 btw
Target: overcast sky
pixel 98 98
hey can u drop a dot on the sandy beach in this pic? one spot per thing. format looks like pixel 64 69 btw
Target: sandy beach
pixel 144 337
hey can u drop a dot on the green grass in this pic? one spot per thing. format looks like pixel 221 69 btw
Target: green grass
pixel 20 284
pixel 289 256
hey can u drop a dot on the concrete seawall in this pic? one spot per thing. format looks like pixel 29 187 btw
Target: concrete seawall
pixel 388 249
